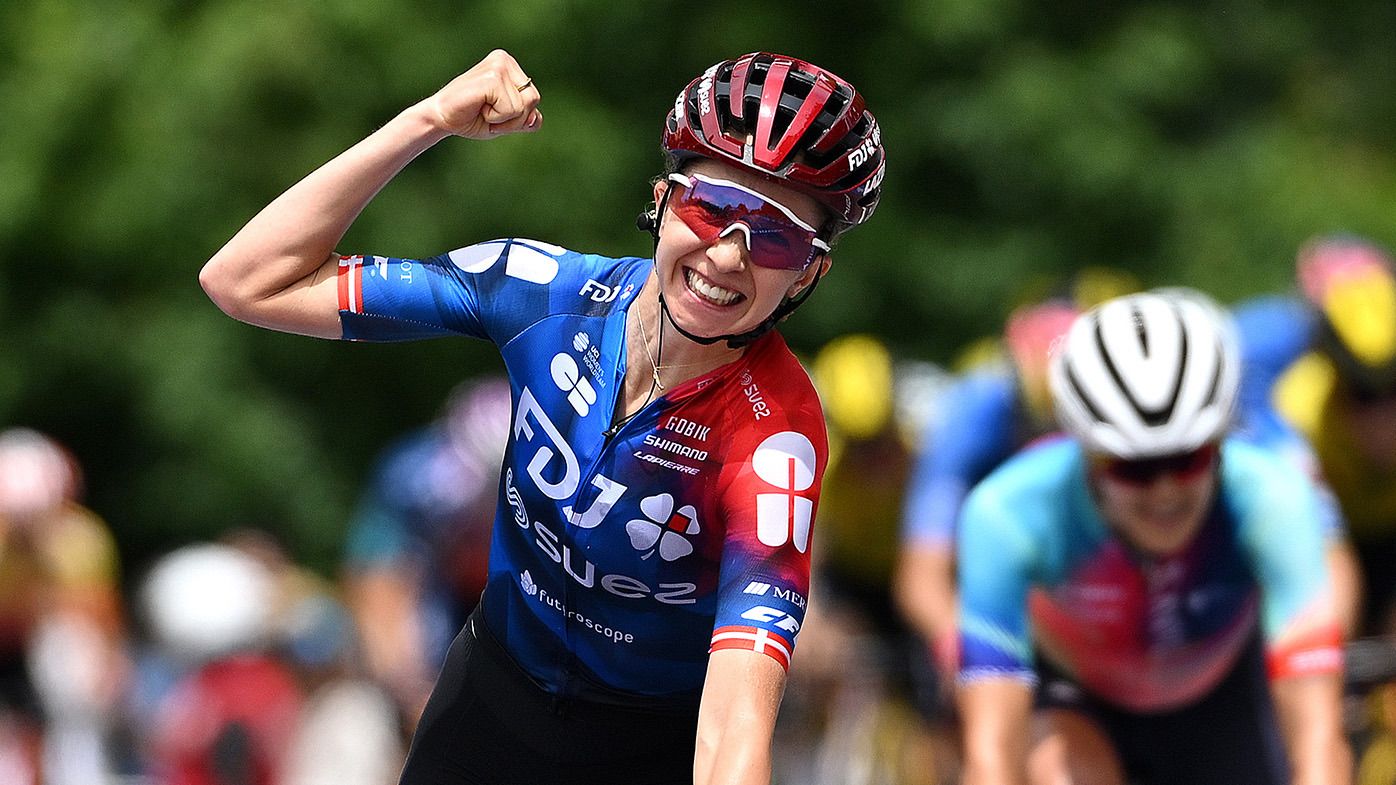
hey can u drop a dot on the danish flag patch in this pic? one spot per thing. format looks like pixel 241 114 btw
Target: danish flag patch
pixel 753 639
pixel 351 289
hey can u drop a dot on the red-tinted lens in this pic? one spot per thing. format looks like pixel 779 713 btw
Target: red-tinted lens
pixel 1183 466
pixel 712 210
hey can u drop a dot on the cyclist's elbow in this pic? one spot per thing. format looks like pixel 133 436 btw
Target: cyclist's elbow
pixel 220 285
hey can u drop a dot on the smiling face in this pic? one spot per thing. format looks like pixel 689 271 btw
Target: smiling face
pixel 714 289
pixel 1160 515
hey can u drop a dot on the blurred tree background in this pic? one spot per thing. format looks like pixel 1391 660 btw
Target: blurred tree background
pixel 1185 142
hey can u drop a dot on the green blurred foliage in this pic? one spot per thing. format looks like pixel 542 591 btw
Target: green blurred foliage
pixel 1193 143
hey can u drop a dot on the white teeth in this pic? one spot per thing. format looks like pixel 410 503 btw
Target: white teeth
pixel 711 292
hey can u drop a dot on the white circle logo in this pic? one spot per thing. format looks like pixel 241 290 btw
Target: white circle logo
pixel 785 460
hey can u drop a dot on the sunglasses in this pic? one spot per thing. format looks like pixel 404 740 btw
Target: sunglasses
pixel 1369 396
pixel 1182 466
pixel 775 237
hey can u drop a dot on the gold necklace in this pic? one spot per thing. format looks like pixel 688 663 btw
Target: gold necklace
pixel 655 366
pixel 645 341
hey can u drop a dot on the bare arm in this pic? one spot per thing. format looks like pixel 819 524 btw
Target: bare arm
pixel 1310 713
pixel 737 718
pixel 1346 576
pixel 279 271
pixel 924 587
pixel 995 715
pixel 384 600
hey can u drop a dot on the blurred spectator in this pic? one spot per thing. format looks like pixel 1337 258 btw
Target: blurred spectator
pixel 349 731
pixel 62 663
pixel 418 548
pixel 230 718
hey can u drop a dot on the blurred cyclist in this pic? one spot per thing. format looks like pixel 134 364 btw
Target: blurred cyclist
pixel 986 417
pixel 418 546
pixel 1132 587
pixel 649 566
pixel 62 665
pixel 850 695
pixel 1325 363
pixel 868 465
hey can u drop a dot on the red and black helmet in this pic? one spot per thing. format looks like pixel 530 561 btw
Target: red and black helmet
pixel 787 120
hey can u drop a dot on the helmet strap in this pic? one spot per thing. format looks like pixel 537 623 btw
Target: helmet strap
pixel 738 340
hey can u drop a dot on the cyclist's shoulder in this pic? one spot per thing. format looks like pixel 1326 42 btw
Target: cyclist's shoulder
pixel 767 401
pixel 976 415
pixel 1243 459
pixel 986 387
pixel 1033 481
pixel 774 369
pixel 521 259
pixel 1273 327
pixel 1252 473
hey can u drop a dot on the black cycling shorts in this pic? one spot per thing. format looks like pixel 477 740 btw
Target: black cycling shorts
pixel 1228 737
pixel 488 723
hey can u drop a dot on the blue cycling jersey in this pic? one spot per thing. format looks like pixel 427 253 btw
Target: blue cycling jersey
pixel 1273 332
pixel 975 430
pixel 427 512
pixel 1041 571
pixel 618 560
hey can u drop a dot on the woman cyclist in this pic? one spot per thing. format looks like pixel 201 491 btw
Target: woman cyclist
pixel 1153 593
pixel 666 448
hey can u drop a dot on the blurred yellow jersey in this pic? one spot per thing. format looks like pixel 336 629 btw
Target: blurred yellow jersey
pixel 860 507
pixel 1366 493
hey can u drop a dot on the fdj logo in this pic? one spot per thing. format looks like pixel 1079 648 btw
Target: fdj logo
pixel 664 528
pixel 568 378
pixel 787 461
pixel 599 292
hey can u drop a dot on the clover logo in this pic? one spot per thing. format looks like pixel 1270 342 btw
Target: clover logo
pixel 663 530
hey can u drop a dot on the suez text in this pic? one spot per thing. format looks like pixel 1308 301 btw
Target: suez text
pixel 555 451
pixel 620 585
pixel 753 394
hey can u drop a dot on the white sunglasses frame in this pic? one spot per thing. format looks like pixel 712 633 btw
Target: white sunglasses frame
pixel 686 180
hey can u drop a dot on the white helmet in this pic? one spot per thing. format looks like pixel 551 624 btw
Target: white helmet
pixel 1147 374
pixel 208 600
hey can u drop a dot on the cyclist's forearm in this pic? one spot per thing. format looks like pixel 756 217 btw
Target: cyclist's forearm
pixel 925 591
pixel 1310 715
pixel 1346 576
pixel 736 720
pixel 995 717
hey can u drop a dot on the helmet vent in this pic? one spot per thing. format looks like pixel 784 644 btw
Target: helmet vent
pixel 1082 396
pixel 1139 331
pixel 1217 374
